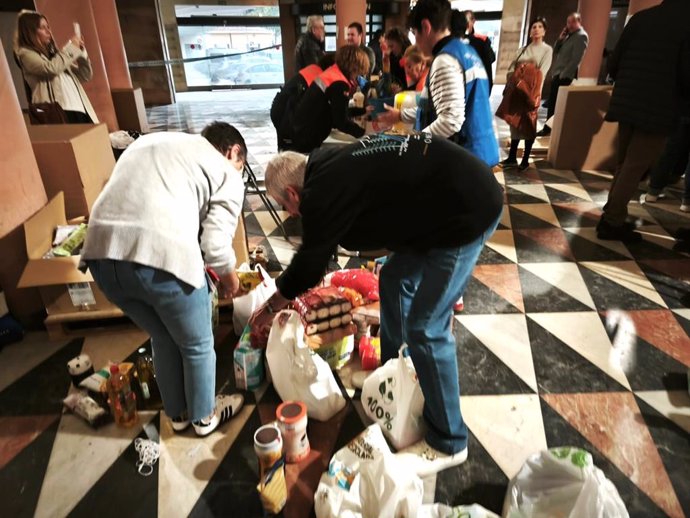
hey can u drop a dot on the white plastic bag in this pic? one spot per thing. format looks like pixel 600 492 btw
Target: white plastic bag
pixel 298 373
pixel 392 397
pixel 388 489
pixel 243 307
pixel 461 511
pixel 338 492
pixel 563 483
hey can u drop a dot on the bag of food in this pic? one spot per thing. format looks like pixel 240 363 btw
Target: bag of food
pixel 362 281
pixel 243 307
pixel 392 397
pixel 562 482
pixel 298 373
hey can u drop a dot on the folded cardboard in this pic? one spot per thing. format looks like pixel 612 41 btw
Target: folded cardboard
pixel 76 159
pixel 63 288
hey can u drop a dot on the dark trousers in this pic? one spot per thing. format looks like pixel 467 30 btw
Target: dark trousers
pixel 674 161
pixel 637 151
pixel 77 117
pixel 556 83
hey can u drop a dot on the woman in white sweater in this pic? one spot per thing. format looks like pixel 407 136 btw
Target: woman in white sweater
pixel 170 207
pixel 540 54
pixel 53 75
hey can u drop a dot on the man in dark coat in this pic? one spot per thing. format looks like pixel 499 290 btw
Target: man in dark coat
pixel 311 45
pixel 651 69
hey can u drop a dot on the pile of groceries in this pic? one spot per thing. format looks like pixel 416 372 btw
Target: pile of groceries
pixel 114 392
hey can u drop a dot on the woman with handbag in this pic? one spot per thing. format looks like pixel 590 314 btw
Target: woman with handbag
pixel 52 76
pixel 522 95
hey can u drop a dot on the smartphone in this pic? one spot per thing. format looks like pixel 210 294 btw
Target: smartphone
pixel 77 30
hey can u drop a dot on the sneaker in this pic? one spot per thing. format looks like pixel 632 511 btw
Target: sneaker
pixel 625 233
pixel 508 163
pixel 545 132
pixel 226 408
pixel 427 461
pixel 685 206
pixel 459 306
pixel 180 424
pixel 650 198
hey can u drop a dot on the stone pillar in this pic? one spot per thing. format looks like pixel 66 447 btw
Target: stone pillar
pixel 21 195
pixel 289 40
pixel 112 46
pixel 636 6
pixel 62 16
pixel 346 12
pixel 595 20
pixel 512 25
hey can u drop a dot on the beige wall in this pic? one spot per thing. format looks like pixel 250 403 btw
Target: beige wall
pixel 21 195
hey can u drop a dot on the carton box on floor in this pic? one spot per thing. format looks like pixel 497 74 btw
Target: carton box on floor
pixel 76 159
pixel 63 288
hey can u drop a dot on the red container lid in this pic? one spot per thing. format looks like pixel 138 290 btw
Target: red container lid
pixel 291 412
pixel 114 368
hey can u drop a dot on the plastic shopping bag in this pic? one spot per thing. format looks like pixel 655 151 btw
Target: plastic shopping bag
pixel 460 511
pixel 388 489
pixel 243 307
pixel 563 483
pixel 338 493
pixel 298 373
pixel 392 397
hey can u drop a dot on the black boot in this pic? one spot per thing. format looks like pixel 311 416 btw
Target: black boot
pixel 524 164
pixel 511 161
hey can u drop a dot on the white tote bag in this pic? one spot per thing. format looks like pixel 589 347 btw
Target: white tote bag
pixel 243 307
pixel 392 397
pixel 298 373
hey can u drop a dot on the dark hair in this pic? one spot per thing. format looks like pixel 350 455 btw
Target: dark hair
pixel 327 60
pixel 539 19
pixel 458 23
pixel 26 36
pixel 223 136
pixel 397 34
pixel 375 37
pixel 356 25
pixel 436 11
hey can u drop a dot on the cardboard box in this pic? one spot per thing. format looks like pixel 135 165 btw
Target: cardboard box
pixel 63 288
pixel 76 159
pixel 580 137
pixel 239 242
pixel 130 109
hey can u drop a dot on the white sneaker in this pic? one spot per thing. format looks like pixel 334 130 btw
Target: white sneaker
pixel 226 408
pixel 685 206
pixel 180 424
pixel 427 461
pixel 650 198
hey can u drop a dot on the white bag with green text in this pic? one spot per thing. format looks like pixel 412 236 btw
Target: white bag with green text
pixel 392 397
pixel 563 483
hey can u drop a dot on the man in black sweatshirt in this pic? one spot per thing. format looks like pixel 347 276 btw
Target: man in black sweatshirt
pixel 434 205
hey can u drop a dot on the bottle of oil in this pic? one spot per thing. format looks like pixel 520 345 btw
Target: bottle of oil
pixel 122 400
pixel 145 374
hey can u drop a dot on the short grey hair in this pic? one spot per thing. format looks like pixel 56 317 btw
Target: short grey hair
pixel 312 20
pixel 284 170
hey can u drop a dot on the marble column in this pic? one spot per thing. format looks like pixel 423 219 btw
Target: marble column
pixel 21 195
pixel 62 16
pixel 595 20
pixel 112 46
pixel 346 12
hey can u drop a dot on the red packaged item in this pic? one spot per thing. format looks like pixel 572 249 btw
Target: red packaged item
pixel 353 296
pixel 369 353
pixel 362 281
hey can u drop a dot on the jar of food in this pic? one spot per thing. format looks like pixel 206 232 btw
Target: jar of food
pixel 292 421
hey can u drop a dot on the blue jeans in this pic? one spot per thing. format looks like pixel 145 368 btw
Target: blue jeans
pixel 178 318
pixel 417 296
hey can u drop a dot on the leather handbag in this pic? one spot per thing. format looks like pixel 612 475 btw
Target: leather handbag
pixel 48 112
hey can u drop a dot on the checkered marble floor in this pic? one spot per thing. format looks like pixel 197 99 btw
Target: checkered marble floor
pixel 565 340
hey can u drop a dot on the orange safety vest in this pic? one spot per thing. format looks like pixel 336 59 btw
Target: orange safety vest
pixel 329 76
pixel 310 73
